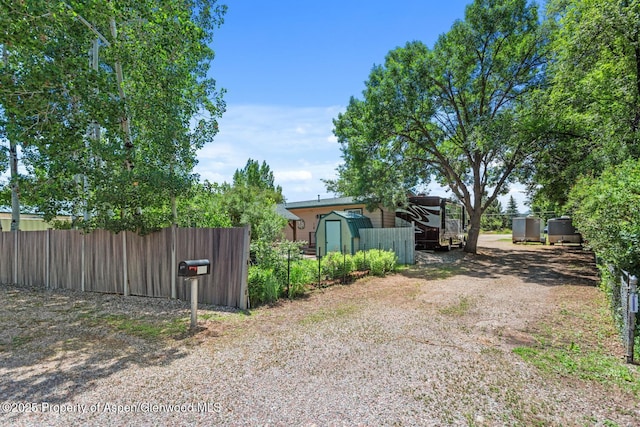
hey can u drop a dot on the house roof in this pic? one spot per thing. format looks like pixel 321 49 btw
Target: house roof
pixel 336 201
pixel 283 212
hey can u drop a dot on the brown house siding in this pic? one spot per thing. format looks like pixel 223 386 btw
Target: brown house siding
pixel 380 218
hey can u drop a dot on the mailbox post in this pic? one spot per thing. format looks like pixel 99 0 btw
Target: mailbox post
pixel 191 270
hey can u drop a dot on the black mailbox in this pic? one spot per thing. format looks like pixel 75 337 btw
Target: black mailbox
pixel 194 267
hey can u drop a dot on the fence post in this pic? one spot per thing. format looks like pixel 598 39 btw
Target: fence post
pixel 289 273
pixel 174 261
pixel 15 256
pixel 630 311
pixel 83 256
pixel 125 272
pixel 319 265
pixel 344 265
pixel 245 303
pixel 48 255
pixel 406 253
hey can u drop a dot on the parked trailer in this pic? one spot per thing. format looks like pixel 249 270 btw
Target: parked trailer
pixel 438 222
pixel 561 230
pixel 527 229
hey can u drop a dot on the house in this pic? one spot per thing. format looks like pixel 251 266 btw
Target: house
pixel 304 217
pixel 28 222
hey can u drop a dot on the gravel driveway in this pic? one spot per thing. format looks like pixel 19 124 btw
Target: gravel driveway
pixel 430 346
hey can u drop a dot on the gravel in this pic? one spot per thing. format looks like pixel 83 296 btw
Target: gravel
pixel 431 347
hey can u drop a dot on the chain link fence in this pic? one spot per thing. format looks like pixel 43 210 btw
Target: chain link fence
pixel 623 288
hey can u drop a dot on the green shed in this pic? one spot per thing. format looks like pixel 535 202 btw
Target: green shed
pixel 338 231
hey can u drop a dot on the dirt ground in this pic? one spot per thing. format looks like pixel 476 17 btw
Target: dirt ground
pixel 438 343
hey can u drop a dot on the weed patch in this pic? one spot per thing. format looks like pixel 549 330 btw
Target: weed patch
pixel 459 308
pixel 573 350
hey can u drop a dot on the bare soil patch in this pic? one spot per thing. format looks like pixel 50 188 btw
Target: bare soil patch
pixel 436 344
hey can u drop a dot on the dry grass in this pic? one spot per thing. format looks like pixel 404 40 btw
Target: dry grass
pixel 459 348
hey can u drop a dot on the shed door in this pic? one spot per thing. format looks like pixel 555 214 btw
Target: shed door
pixel 333 234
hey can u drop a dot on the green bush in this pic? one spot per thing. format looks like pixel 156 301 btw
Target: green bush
pixel 264 286
pixel 303 272
pixel 268 276
pixel 361 261
pixel 606 210
pixel 336 265
pixel 381 262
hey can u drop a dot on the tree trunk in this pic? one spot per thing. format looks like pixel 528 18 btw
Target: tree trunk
pixel 474 232
pixel 13 167
pixel 15 189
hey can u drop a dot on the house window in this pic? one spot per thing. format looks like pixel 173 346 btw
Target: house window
pixel 356 211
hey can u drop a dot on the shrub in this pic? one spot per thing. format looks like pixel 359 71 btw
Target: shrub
pixel 606 211
pixel 361 261
pixel 264 286
pixel 302 273
pixel 381 262
pixel 337 265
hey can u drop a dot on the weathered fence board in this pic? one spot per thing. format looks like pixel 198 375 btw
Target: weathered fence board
pixel 104 262
pixel 96 262
pixel 227 250
pixel 32 258
pixel 149 263
pixel 400 240
pixel 7 257
pixel 65 259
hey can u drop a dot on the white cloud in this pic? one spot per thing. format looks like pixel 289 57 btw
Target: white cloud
pixel 292 141
pixel 292 176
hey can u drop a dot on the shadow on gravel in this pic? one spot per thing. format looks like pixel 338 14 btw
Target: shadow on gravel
pixel 51 351
pixel 548 266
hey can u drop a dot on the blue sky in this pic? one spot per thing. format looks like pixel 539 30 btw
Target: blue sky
pixel 289 68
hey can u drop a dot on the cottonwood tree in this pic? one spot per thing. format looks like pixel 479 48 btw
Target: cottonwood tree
pixel 27 71
pixel 454 112
pixel 593 101
pixel 117 135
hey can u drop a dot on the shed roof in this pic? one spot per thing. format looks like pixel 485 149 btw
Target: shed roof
pixel 354 221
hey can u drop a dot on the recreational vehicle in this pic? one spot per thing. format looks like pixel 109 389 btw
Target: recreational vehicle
pixel 438 222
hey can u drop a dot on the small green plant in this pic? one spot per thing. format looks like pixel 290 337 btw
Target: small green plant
pixel 140 327
pixel 577 352
pixel 264 286
pixel 303 272
pixel 381 262
pixel 460 308
pixel 336 265
pixel 585 365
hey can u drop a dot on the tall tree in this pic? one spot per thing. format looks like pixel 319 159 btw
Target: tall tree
pixel 252 197
pixel 115 136
pixel 594 93
pixel 454 112
pixel 512 211
pixel 203 206
pixel 257 176
pixel 493 218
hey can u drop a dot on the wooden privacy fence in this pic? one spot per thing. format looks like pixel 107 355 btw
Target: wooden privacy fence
pixel 129 264
pixel 400 240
